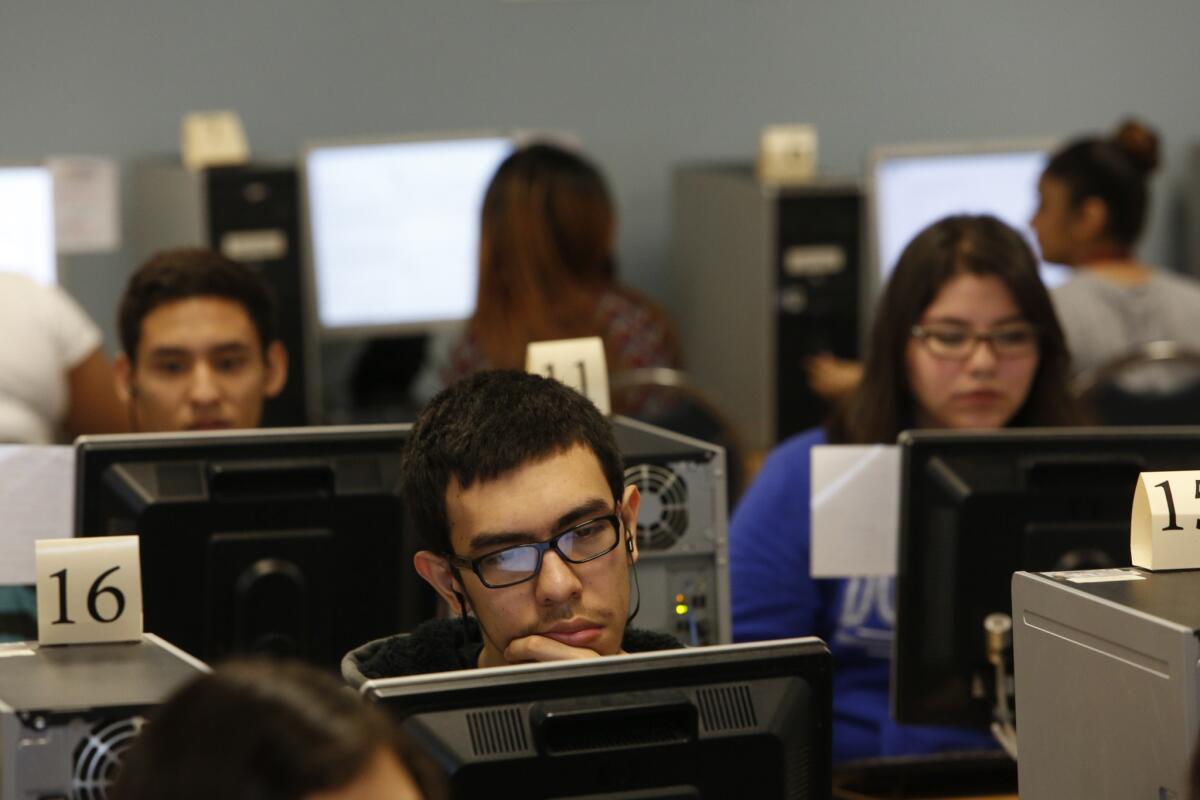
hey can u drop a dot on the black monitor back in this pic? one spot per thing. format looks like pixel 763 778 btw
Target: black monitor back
pixel 288 541
pixel 750 720
pixel 978 506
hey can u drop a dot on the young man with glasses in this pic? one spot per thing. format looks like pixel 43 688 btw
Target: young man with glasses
pixel 516 485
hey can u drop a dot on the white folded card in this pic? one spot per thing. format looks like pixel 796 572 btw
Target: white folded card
pixel 37 498
pixel 855 504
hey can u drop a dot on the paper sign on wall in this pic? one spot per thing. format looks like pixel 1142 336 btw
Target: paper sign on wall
pixel 579 363
pixel 86 199
pixel 89 590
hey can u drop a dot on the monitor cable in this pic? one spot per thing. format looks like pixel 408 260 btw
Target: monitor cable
pixel 637 605
pixel 460 651
pixel 998 628
pixel 133 401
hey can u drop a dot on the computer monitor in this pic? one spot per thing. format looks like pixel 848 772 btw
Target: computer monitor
pixel 913 186
pixel 976 507
pixel 288 541
pixel 393 230
pixel 27 223
pixel 745 720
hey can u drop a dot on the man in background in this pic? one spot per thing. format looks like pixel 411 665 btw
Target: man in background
pixel 201 352
pixel 200 344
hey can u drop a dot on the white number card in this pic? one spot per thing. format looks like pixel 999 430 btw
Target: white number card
pixel 579 363
pixel 1164 528
pixel 212 139
pixel 89 590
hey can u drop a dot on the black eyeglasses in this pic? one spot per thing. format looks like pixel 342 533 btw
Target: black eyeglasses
pixel 578 544
pixel 955 342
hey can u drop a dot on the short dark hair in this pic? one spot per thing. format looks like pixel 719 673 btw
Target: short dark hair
pixel 260 730
pixel 186 272
pixel 492 423
pixel 1113 169
pixel 883 404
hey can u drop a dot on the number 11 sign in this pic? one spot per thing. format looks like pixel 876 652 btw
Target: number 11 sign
pixel 579 363
pixel 89 590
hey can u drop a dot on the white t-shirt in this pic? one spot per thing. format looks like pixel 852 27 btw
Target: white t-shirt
pixel 44 334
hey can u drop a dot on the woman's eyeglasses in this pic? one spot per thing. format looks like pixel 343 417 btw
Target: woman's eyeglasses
pixel 958 342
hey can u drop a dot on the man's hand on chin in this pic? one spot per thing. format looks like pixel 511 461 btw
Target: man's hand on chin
pixel 542 648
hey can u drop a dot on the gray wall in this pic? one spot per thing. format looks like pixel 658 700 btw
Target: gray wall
pixel 645 83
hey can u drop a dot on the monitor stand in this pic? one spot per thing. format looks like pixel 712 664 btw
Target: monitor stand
pixel 372 380
pixel 385 371
pixel 976 774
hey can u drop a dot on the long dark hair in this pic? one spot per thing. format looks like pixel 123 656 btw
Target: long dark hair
pixel 883 403
pixel 546 255
pixel 1113 169
pixel 258 730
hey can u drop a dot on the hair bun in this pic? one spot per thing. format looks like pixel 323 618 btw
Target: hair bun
pixel 1138 142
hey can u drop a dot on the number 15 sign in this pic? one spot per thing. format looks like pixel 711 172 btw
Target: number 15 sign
pixel 89 590
pixel 1164 528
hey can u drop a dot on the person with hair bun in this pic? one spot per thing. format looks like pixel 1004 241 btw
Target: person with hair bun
pixel 1093 199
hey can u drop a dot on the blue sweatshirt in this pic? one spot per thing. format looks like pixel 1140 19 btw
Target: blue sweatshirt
pixel 774 597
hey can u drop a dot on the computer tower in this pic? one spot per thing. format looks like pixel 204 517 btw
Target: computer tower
pixel 765 276
pixel 682 573
pixel 68 714
pixel 251 214
pixel 1106 683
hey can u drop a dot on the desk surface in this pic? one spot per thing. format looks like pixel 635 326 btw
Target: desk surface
pixel 841 794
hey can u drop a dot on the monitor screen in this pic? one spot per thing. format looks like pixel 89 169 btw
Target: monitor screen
pixel 287 541
pixel 976 507
pixel 746 720
pixel 27 223
pixel 394 230
pixel 913 187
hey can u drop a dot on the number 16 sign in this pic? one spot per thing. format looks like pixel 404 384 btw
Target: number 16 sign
pixel 89 590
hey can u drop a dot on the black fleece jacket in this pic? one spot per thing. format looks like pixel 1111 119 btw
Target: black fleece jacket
pixel 437 646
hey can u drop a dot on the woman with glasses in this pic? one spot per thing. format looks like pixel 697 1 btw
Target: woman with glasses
pixel 964 337
pixel 1092 204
